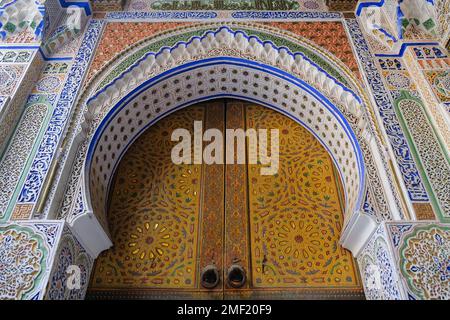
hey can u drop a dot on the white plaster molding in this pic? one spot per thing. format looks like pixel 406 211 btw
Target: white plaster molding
pixel 357 232
pixel 90 232
pixel 20 15
pixel 69 28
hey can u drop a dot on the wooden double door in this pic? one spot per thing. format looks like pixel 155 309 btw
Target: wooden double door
pixel 225 231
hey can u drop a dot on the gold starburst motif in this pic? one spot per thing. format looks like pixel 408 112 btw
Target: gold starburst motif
pixel 149 240
pixel 298 239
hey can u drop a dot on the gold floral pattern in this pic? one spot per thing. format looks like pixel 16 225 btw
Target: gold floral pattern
pixel 153 214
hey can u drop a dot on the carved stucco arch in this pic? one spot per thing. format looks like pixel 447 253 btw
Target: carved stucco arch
pixel 279 37
pixel 293 75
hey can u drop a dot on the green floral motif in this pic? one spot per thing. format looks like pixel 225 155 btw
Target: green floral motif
pixel 23 257
pixel 425 262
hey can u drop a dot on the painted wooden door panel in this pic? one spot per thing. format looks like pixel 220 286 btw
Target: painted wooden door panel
pixel 174 224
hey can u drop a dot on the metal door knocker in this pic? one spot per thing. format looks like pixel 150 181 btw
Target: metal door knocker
pixel 236 276
pixel 210 276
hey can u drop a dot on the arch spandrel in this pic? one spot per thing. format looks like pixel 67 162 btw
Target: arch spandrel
pixel 280 38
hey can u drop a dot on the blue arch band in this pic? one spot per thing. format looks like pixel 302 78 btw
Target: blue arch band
pixel 237 62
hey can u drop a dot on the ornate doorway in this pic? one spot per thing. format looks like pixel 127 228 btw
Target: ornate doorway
pixel 225 231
